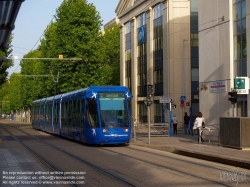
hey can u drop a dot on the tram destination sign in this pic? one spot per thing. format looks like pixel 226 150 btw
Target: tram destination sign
pixel 111 95
pixel 165 100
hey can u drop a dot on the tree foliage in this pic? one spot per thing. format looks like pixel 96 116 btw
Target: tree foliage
pixel 74 33
pixel 8 63
pixel 110 71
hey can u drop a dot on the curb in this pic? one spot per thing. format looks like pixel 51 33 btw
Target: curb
pixel 215 158
pixel 203 156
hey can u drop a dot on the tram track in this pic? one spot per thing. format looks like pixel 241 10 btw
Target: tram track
pixel 136 155
pixel 54 168
pixel 162 165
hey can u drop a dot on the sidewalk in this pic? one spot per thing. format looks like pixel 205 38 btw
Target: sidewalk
pixel 186 144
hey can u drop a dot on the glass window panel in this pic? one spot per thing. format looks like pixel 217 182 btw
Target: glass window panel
pixel 195 109
pixel 194 17
pixel 237 47
pixel 194 5
pixel 243 5
pixel 195 74
pixel 194 28
pixel 194 40
pixel 144 79
pixel 128 55
pixel 194 86
pixel 241 68
pixel 194 62
pixel 138 79
pixel 144 19
pixel 244 46
pixel 237 27
pixel 237 11
pixel 157 11
pixel 236 1
pixel 128 30
pixel 194 51
pixel 243 25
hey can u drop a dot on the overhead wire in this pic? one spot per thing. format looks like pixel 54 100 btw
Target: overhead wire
pixel 38 39
pixel 143 10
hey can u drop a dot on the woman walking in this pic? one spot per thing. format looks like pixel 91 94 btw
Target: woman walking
pixel 175 121
pixel 198 122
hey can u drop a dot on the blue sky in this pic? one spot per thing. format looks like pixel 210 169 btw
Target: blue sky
pixel 35 15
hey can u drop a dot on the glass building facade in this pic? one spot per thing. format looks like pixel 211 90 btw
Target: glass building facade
pixel 158 60
pixel 240 48
pixel 142 65
pixel 194 44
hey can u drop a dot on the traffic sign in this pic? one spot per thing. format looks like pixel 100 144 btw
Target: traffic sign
pixel 187 103
pixel 183 97
pixel 165 100
pixel 182 100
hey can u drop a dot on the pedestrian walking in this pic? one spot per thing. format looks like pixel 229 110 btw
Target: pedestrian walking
pixel 198 121
pixel 186 123
pixel 175 121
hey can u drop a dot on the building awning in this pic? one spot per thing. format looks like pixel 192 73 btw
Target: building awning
pixel 8 13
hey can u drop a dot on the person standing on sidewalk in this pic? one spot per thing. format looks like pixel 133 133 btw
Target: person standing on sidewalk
pixel 175 121
pixel 198 122
pixel 186 123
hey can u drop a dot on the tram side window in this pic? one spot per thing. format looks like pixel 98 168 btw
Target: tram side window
pixel 62 113
pixel 77 112
pixel 68 109
pixel 92 113
pixel 74 113
pixel 41 112
pixel 72 120
pixel 65 113
pixel 55 112
pixel 47 111
pixel 82 112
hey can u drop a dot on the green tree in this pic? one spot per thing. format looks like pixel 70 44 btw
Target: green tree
pixel 75 34
pixel 14 95
pixel 35 78
pixel 8 63
pixel 4 97
pixel 110 70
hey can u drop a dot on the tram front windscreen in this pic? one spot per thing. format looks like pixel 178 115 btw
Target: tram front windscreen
pixel 113 110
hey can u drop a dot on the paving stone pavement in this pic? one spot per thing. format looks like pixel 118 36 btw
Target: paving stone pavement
pixel 188 145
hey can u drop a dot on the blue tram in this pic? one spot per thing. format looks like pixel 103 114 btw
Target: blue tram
pixel 94 115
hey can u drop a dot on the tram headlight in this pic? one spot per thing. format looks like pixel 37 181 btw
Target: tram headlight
pixel 125 130
pixel 105 130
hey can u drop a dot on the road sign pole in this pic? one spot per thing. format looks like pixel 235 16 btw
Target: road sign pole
pixel 148 124
pixel 164 117
pixel 170 120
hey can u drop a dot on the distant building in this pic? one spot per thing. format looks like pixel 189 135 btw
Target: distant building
pixel 111 23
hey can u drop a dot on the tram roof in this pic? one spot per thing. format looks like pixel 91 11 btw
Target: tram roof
pixel 81 92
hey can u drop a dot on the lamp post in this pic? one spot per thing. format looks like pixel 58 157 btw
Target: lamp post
pixel 183 75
